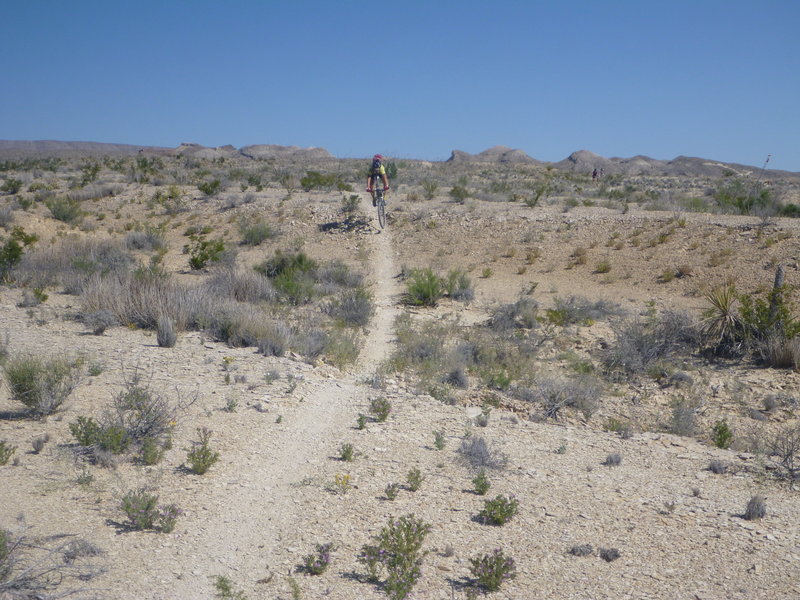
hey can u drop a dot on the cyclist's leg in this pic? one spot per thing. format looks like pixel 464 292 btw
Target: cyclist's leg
pixel 372 182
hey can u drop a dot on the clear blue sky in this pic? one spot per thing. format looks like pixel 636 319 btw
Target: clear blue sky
pixel 718 79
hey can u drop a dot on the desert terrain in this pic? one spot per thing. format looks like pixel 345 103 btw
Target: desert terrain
pixel 566 354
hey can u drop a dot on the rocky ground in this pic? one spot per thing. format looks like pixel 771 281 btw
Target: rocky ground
pixel 273 495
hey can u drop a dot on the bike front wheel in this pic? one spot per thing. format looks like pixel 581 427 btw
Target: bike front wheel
pixel 380 203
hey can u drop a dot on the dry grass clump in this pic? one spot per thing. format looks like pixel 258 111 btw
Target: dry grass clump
pixel 555 394
pixel 41 383
pixel 72 263
pixel 639 344
pixel 476 453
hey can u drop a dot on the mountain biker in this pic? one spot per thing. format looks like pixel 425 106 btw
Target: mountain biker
pixel 376 170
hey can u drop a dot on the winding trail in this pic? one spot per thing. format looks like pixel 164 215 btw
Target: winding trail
pixel 249 518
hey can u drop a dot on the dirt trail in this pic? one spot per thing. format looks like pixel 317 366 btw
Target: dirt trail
pixel 248 522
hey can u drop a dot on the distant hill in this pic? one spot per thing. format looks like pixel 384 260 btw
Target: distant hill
pixel 584 161
pixel 41 148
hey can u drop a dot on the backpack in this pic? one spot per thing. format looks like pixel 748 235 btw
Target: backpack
pixel 376 167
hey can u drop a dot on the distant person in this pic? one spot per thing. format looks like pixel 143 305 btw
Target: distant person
pixel 594 175
pixel 376 170
pixel 602 172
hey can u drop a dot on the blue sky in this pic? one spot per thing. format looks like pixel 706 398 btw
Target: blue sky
pixel 716 79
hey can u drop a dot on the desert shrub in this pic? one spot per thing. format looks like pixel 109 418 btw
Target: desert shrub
pixel 67 210
pixel 424 288
pixel 581 550
pixel 380 409
pixel 150 239
pixel 317 562
pixel 201 457
pixel 295 287
pixel 141 508
pixel 347 453
pixel 492 570
pixel 756 508
pixel 165 332
pixel 72 263
pixel 34 568
pixel 684 416
pixel 439 440
pixel 459 193
pixel 429 187
pixel 203 251
pixel 274 339
pixel 6 452
pixel 239 285
pixel 41 384
pixel 12 251
pixel 721 434
pixel 458 286
pixel 39 442
pixel 414 479
pixel 341 348
pixel 100 320
pixel 141 412
pixel 151 452
pixel 613 460
pixel 142 297
pixel 736 196
pixel 481 483
pixel 581 393
pixel 255 232
pixel 783 447
pixel 476 453
pixel 210 188
pixel 499 510
pixel 638 344
pixel 398 551
pixel 314 180
pixel 717 467
pixel 11 186
pixel 354 308
pixel 521 314
pixel 581 311
pixel 391 491
pixel 608 554
pixel 419 347
pixel 225 589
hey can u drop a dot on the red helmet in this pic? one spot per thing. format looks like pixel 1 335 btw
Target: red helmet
pixel 378 156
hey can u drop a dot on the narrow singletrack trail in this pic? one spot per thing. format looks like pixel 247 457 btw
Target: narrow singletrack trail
pixel 247 521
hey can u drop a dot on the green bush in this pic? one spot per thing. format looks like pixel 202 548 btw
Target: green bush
pixel 67 210
pixel 380 408
pixel 11 186
pixel 398 551
pixel 424 288
pixel 481 483
pixel 459 193
pixel 201 457
pixel 255 233
pixel 429 187
pixel 499 510
pixel 491 570
pixel 721 434
pixel 203 251
pixel 209 188
pixel 140 508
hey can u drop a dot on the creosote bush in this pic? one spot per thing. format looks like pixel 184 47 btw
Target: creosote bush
pixel 201 457
pixel 481 483
pixel 380 409
pixel 424 288
pixel 398 551
pixel 492 570
pixel 499 510
pixel 721 434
